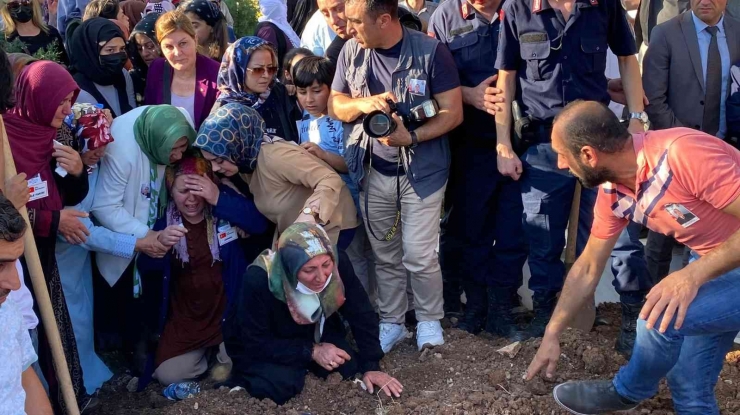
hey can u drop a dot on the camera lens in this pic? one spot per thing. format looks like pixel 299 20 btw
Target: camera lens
pixel 378 124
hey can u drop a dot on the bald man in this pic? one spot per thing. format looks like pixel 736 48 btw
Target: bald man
pixel 691 317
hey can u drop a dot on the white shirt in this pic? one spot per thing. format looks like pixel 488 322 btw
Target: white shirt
pixel 23 299
pixel 18 355
pixel 317 35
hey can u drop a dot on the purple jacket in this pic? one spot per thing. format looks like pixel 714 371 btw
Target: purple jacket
pixel 206 89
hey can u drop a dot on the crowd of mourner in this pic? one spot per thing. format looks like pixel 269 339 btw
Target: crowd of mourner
pixel 298 199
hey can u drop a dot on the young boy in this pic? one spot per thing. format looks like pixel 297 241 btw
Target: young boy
pixel 319 134
pixel 20 389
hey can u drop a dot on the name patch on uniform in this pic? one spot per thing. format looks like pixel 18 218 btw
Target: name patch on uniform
pixel 683 216
pixel 461 30
pixel 533 38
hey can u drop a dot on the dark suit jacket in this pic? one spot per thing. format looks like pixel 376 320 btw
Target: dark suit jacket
pixel 654 12
pixel 206 89
pixel 672 74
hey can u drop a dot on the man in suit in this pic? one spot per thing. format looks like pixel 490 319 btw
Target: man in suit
pixel 686 77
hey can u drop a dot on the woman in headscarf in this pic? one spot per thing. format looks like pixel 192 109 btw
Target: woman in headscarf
pixel 201 273
pixel 129 197
pixel 23 20
pixel 210 26
pixel 134 11
pixel 286 320
pixel 98 53
pixel 44 93
pixel 87 130
pixel 184 78
pixel 143 49
pixel 248 77
pixel 287 182
pixel 273 27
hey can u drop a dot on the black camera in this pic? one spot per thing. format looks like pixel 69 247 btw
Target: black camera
pixel 378 124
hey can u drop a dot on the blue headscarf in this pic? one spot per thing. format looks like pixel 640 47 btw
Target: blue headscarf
pixel 235 133
pixel 232 75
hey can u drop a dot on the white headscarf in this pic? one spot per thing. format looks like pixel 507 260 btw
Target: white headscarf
pixel 276 12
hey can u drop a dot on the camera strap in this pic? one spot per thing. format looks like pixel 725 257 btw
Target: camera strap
pixel 392 231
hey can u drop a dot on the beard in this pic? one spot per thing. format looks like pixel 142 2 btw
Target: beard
pixel 593 177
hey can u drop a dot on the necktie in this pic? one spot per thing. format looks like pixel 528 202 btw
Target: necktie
pixel 710 124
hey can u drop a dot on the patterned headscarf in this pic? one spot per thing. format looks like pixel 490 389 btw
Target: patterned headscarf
pixel 207 10
pixel 297 245
pixel 235 133
pixel 86 129
pixel 198 166
pixel 232 77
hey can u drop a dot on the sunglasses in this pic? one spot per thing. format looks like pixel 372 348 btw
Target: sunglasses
pixel 271 70
pixel 17 4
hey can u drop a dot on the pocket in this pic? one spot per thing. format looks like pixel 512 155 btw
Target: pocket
pixel 532 203
pixel 462 47
pixel 594 50
pixel 536 54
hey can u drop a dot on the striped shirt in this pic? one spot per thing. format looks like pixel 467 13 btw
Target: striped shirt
pixel 684 179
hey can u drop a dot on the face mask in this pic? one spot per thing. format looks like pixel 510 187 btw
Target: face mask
pixel 22 14
pixel 113 64
pixel 305 290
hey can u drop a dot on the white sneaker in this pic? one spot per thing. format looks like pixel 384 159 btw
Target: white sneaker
pixel 429 334
pixel 391 334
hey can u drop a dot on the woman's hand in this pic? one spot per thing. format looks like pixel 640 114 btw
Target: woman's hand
pixel 73 231
pixel 384 381
pixel 203 187
pixel 171 235
pixel 16 190
pixel 328 356
pixel 151 246
pixel 68 159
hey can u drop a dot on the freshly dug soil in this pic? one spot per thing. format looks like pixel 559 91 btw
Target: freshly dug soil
pixel 464 376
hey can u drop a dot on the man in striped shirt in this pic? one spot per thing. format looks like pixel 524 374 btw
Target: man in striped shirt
pixel 679 182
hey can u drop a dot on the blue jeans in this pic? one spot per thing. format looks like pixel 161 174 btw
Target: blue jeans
pixel 691 357
pixel 547 194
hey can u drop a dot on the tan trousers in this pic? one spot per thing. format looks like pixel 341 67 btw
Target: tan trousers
pixel 412 249
pixel 188 366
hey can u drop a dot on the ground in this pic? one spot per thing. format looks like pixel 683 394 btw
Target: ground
pixel 465 376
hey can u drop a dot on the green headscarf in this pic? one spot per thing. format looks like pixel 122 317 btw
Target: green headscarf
pixel 157 130
pixel 297 245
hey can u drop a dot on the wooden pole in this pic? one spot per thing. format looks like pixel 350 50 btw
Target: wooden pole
pixel 584 320
pixel 39 288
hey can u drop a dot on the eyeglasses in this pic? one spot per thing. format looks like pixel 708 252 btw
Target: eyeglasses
pixel 271 70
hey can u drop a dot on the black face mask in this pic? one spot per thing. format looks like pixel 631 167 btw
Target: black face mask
pixel 22 13
pixel 113 64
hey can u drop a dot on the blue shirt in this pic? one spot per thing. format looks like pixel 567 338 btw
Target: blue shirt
pixel 473 42
pixel 556 61
pixel 328 134
pixel 724 53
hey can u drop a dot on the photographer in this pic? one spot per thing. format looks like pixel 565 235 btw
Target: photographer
pixel 408 169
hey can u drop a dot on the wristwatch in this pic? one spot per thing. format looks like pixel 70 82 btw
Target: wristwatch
pixel 414 139
pixel 308 210
pixel 642 117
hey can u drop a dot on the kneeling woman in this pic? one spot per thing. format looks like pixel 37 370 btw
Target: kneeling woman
pixel 201 272
pixel 285 321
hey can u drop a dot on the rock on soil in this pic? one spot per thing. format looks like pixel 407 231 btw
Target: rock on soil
pixel 465 376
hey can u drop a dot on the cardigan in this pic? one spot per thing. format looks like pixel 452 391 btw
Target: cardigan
pixel 122 193
pixel 206 88
pixel 231 207
pixel 288 178
pixel 260 329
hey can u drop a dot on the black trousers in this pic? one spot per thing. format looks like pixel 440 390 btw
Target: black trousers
pixel 281 382
pixel 658 254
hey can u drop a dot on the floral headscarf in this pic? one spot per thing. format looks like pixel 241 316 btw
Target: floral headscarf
pixel 297 245
pixel 198 166
pixel 86 129
pixel 235 133
pixel 232 76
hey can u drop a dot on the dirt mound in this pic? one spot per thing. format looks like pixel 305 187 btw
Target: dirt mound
pixel 464 376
